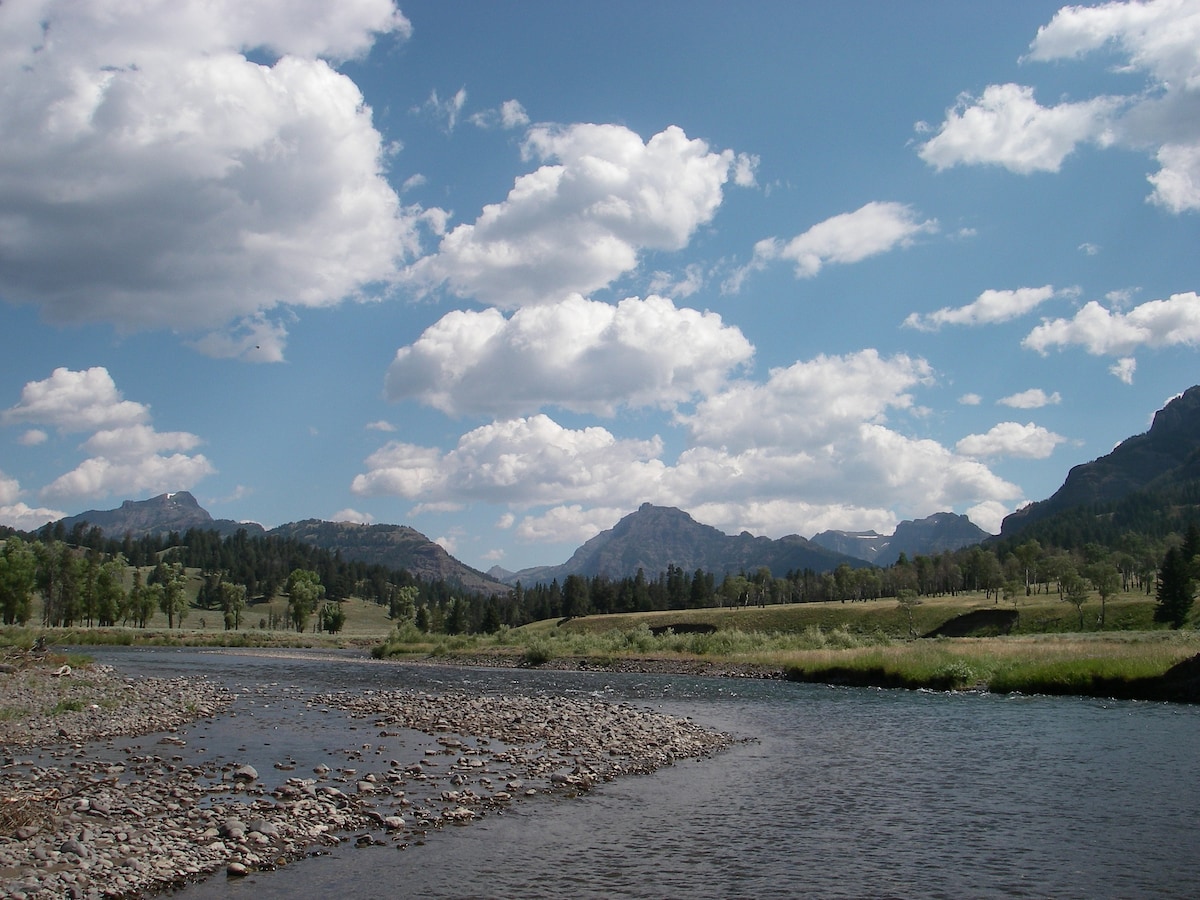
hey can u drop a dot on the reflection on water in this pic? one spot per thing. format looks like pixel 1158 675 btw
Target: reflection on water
pixel 842 793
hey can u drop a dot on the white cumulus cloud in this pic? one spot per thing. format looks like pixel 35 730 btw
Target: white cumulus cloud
pixel 1104 332
pixel 76 401
pixel 511 114
pixel 252 339
pixel 808 449
pixel 15 513
pixel 153 176
pixel 810 402
pixel 449 109
pixel 576 354
pixel 125 454
pixel 601 196
pixel 990 514
pixel 1027 441
pixel 1006 126
pixel 525 461
pixel 570 523
pixel 125 474
pixel 1161 38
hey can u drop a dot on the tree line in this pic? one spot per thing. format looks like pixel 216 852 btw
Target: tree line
pixel 87 579
pixel 84 578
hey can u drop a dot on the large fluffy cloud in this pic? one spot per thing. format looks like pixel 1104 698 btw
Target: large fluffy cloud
pixel 124 453
pixel 524 461
pixel 1159 36
pixel 153 473
pixel 76 401
pixel 576 354
pixel 806 450
pixel 152 175
pixel 1007 126
pixel 580 220
pixel 809 403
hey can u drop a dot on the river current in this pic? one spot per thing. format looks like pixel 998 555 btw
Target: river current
pixel 836 792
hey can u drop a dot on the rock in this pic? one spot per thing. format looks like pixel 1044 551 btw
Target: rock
pixel 73 846
pixel 233 828
pixel 245 774
pixel 262 826
pixel 236 870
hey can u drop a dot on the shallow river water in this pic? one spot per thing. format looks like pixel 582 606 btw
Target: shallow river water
pixel 839 792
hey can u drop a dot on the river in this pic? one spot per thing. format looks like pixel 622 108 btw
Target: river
pixel 837 792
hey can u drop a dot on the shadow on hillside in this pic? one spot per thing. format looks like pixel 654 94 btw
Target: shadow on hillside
pixel 978 623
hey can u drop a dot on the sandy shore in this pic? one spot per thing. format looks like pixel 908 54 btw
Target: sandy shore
pixel 91 821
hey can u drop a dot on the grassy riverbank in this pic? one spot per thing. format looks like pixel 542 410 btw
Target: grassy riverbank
pixel 1049 646
pixel 1134 665
pixel 869 644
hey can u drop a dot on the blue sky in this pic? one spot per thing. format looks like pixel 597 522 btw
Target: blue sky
pixel 503 272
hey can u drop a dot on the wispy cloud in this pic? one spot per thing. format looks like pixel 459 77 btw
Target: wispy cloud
pixel 847 238
pixel 989 308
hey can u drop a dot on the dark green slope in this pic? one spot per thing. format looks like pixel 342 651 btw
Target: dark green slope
pixel 1149 485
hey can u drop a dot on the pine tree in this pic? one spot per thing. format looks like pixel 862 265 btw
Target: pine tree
pixel 1175 589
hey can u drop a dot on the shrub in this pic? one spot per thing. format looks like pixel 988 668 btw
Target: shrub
pixel 538 653
pixel 956 673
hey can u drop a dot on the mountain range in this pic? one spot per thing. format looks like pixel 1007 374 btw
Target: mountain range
pixel 933 535
pixel 654 537
pixel 393 546
pixel 1157 473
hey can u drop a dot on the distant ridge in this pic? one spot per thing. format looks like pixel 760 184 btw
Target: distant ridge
pixel 392 546
pixel 655 537
pixel 177 511
pixel 921 537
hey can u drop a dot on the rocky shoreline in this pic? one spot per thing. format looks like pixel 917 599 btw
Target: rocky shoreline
pixel 641 665
pixel 89 819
